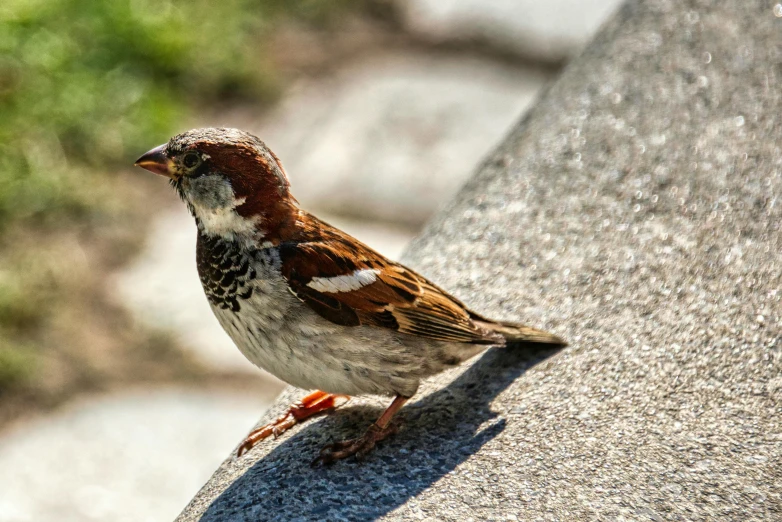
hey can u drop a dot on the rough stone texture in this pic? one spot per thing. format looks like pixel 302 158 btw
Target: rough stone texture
pixel 546 30
pixel 636 212
pixel 94 460
pixel 392 136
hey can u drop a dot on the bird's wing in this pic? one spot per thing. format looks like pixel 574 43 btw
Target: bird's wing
pixel 350 284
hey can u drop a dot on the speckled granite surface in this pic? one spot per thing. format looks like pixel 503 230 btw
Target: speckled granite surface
pixel 636 211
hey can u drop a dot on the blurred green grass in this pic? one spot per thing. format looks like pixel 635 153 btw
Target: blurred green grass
pixel 85 85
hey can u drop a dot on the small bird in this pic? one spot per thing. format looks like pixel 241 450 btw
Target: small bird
pixel 307 302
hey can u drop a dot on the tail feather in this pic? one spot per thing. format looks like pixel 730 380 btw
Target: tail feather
pixel 516 333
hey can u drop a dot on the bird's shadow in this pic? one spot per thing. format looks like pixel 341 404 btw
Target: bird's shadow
pixel 440 431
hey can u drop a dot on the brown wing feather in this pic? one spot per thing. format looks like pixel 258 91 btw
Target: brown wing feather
pixel 398 299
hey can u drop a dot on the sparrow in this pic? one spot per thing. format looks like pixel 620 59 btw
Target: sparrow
pixel 307 302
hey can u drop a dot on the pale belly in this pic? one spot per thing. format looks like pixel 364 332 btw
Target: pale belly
pixel 282 335
pixel 270 333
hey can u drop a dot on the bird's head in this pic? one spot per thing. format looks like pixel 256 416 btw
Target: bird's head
pixel 232 182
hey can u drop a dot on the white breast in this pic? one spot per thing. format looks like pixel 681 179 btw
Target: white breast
pixel 281 334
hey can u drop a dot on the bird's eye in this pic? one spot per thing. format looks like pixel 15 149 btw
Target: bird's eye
pixel 191 160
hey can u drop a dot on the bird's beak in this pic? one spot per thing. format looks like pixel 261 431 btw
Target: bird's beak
pixel 156 161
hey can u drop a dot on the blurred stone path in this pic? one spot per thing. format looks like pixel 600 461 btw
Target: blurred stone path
pixel 133 457
pixel 392 136
pixel 546 31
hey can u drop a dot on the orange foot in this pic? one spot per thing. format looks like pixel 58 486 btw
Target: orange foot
pixel 312 404
pixel 359 447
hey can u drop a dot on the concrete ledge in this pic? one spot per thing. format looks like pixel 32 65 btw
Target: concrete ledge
pixel 636 212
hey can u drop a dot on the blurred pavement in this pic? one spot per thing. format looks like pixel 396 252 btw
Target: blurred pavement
pixel 132 457
pixel 542 30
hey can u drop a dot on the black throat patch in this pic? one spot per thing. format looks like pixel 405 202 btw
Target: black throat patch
pixel 225 271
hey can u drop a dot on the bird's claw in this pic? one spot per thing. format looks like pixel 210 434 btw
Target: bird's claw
pixel 359 447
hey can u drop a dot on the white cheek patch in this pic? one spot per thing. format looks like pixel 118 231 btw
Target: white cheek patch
pixel 224 221
pixel 344 283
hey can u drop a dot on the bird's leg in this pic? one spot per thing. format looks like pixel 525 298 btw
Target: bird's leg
pixel 382 428
pixel 314 403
